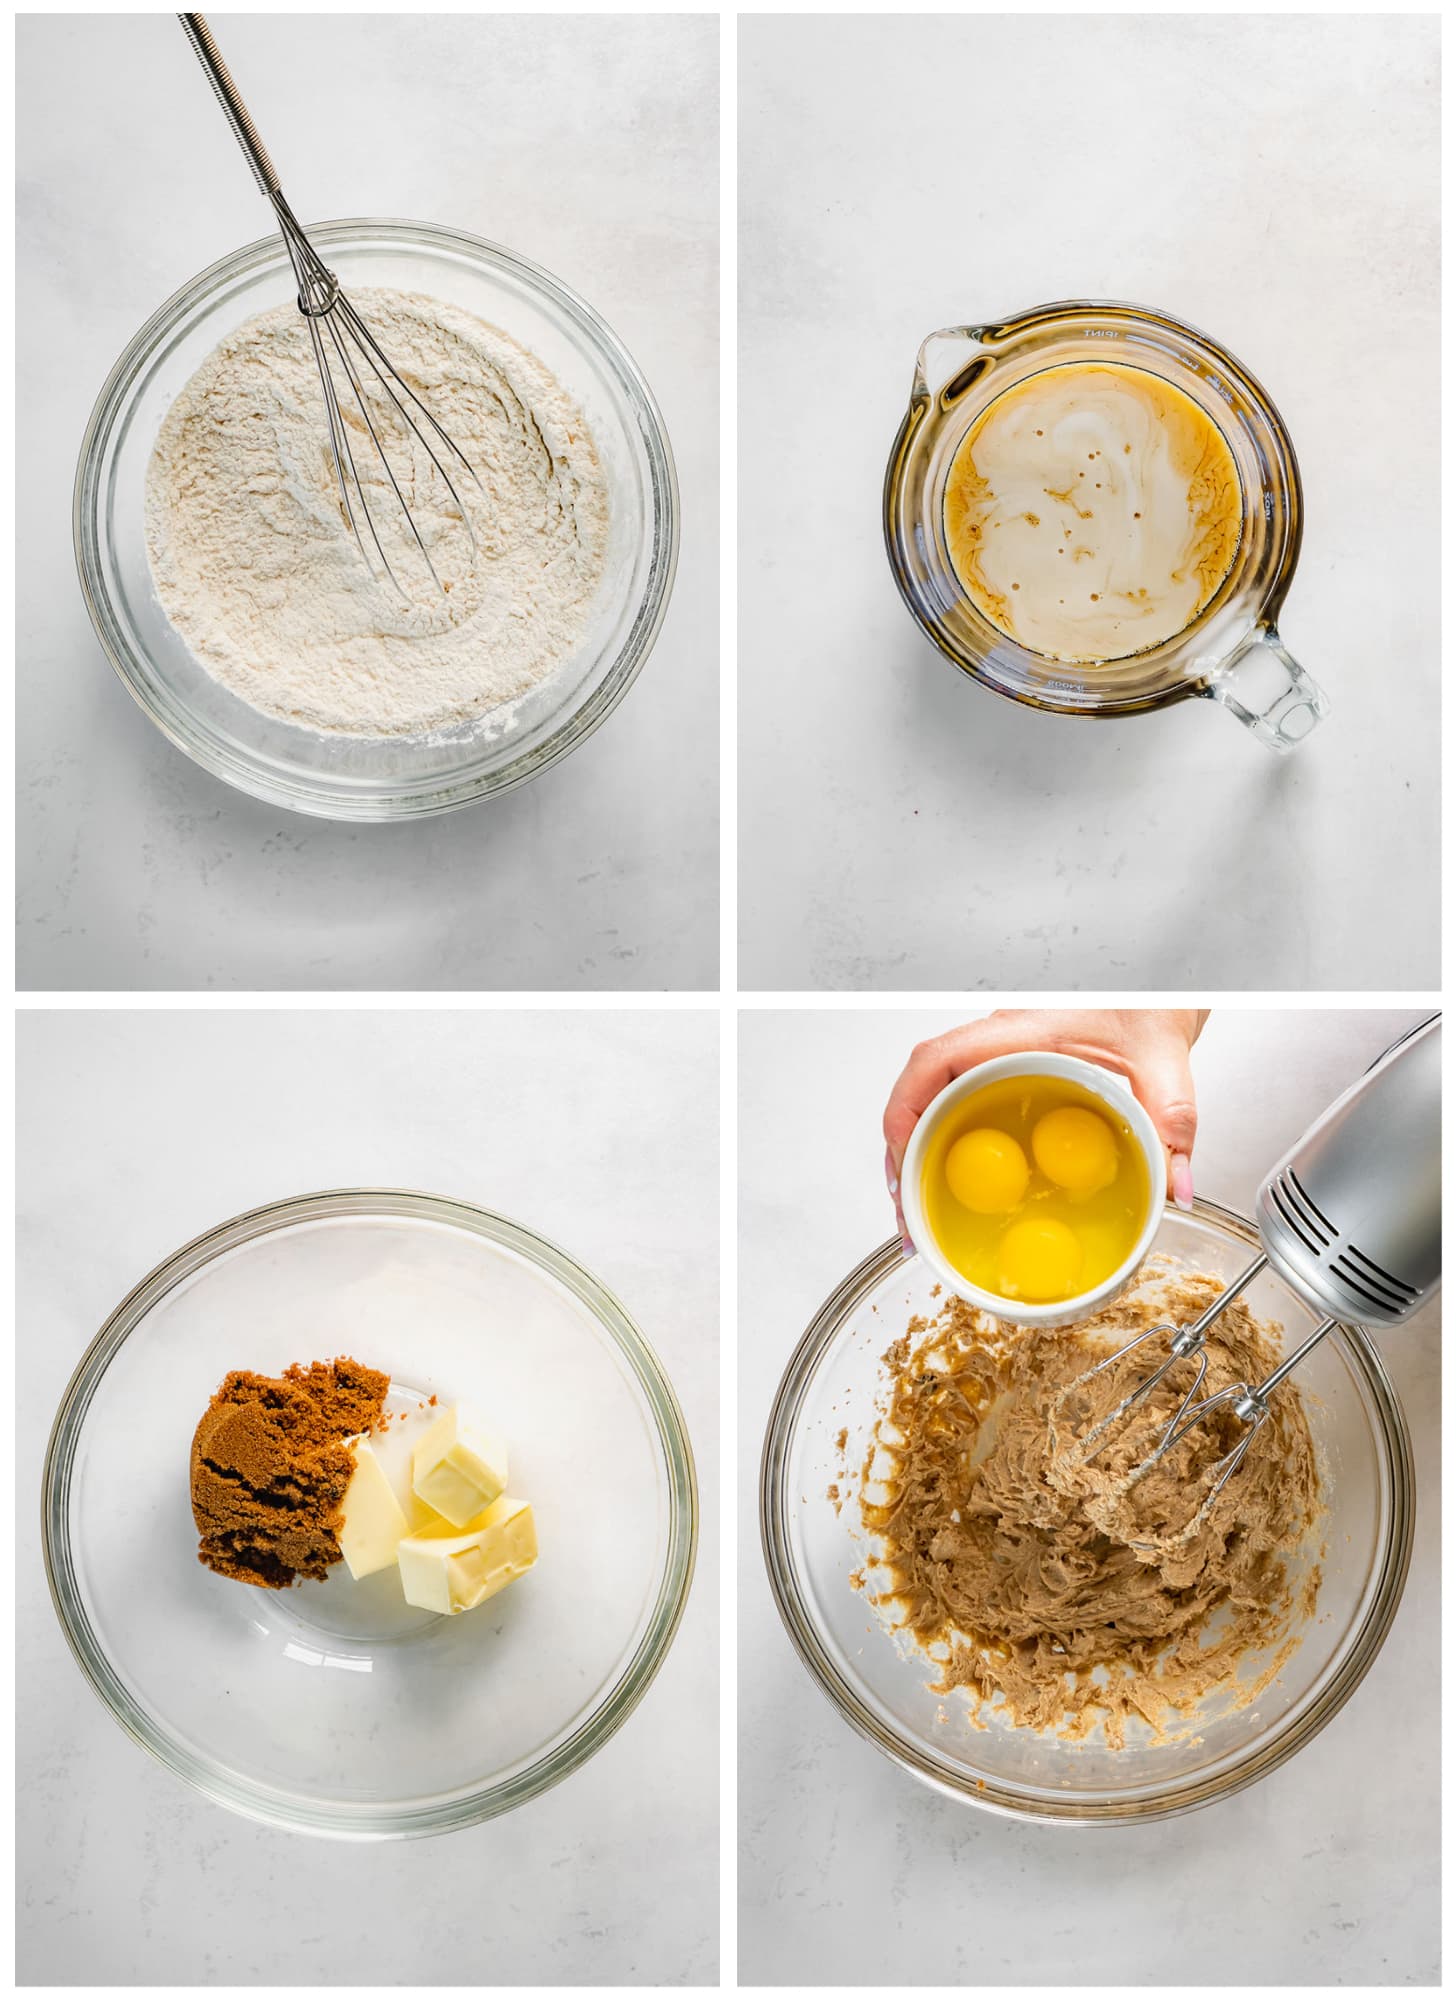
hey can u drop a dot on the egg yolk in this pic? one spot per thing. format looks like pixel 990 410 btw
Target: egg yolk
pixel 1040 1259
pixel 1076 1149
pixel 986 1171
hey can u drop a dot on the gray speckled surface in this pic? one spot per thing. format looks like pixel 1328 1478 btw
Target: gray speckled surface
pixel 1325 1873
pixel 601 1131
pixel 591 146
pixel 1272 178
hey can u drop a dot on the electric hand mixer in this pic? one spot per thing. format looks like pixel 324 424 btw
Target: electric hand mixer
pixel 1350 1219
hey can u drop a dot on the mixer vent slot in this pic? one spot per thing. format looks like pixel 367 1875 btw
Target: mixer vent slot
pixel 1380 1289
pixel 1368 1289
pixel 1358 1269
pixel 1311 1208
pixel 1300 1213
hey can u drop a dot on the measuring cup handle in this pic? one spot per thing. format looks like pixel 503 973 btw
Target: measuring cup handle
pixel 1268 690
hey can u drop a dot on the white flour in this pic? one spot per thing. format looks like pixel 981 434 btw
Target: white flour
pixel 259 572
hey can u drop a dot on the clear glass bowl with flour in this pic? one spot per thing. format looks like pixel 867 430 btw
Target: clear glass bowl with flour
pixel 446 708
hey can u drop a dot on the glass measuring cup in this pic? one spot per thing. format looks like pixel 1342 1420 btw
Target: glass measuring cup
pixel 1231 652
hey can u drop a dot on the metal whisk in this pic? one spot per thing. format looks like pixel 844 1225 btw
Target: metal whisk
pixel 346 352
pixel 1350 1219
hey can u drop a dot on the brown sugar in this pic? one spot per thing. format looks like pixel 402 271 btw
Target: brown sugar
pixel 270 1468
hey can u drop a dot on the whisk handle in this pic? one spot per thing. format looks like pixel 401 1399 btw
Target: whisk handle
pixel 220 77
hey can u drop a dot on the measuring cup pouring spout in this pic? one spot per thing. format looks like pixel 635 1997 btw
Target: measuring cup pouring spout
pixel 943 358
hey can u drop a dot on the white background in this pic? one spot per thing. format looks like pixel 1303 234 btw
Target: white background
pixel 1272 179
pixel 1328 1871
pixel 590 145
pixel 137 1131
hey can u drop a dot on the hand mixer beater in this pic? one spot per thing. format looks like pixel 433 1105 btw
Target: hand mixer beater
pixel 1350 1219
pixel 363 392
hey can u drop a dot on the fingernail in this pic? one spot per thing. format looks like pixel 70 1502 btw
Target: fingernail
pixel 907 1247
pixel 1182 1180
pixel 892 1179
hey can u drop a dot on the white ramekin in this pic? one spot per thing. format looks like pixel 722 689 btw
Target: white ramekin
pixel 1108 1089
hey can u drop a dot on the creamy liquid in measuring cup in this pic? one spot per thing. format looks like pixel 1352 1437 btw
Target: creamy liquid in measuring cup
pixel 1092 512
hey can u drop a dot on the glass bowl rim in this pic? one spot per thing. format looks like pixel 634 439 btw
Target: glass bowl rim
pixel 1000 1798
pixel 439 796
pixel 370 1822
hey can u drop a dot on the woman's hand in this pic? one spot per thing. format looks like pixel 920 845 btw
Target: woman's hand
pixel 1148 1045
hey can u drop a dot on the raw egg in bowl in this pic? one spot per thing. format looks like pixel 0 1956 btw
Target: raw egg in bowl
pixel 1034 1186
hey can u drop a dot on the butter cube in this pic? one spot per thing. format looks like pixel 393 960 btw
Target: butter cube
pixel 397 1462
pixel 446 1570
pixel 459 1467
pixel 374 1521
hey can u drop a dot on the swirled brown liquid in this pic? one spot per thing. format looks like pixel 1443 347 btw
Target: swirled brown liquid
pixel 1092 512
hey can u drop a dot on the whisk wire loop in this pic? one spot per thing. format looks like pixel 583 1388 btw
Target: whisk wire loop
pixel 343 451
pixel 390 380
pixel 332 328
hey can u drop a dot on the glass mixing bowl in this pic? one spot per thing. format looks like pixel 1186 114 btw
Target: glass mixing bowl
pixel 811 1547
pixel 334 1707
pixel 377 778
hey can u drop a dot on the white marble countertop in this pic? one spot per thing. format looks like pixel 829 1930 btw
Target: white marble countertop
pixel 589 144
pixel 1272 178
pixel 1325 1873
pixel 136 1132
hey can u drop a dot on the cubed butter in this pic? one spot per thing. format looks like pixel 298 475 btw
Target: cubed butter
pixel 374 1521
pixel 460 1468
pixel 397 1463
pixel 446 1569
